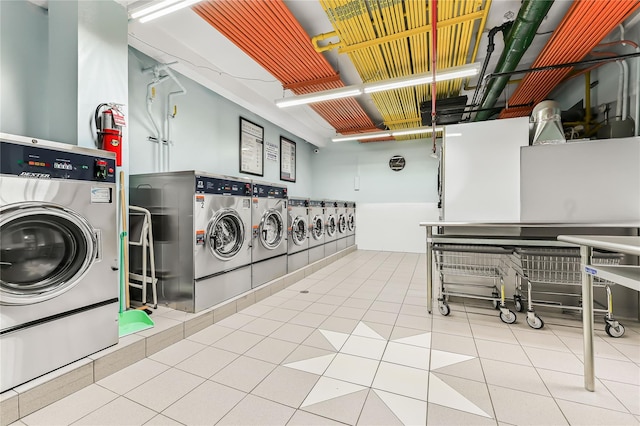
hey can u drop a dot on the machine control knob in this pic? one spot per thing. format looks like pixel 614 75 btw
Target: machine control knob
pixel 100 170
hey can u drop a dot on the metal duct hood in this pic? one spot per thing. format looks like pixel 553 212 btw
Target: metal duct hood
pixel 548 127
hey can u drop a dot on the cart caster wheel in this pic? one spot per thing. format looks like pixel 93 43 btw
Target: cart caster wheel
pixel 614 331
pixel 444 309
pixel 495 302
pixel 535 322
pixel 517 300
pixel 508 318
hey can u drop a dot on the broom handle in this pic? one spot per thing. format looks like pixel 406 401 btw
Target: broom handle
pixel 125 248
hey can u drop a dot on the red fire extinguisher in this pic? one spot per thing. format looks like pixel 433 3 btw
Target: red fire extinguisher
pixel 109 121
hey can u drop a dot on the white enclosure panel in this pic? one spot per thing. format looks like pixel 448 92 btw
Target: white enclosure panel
pixel 393 226
pixel 597 181
pixel 482 170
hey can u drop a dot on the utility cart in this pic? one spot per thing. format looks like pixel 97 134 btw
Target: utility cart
pixel 488 265
pixel 553 277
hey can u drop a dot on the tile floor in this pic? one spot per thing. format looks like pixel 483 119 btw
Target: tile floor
pixel 353 344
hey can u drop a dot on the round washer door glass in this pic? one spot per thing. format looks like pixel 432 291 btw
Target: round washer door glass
pixel 351 222
pixel 342 224
pixel 318 227
pixel 44 251
pixel 225 233
pixel 299 230
pixel 271 229
pixel 331 225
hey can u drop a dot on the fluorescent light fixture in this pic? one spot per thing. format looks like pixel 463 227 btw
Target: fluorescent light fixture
pixel 150 9
pixel 463 71
pixel 386 134
pixel 327 95
pixel 168 10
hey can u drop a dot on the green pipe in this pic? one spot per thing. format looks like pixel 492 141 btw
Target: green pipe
pixel 516 44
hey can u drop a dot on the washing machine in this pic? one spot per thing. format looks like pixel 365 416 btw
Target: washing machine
pixel 341 224
pixel 298 234
pixel 330 227
pixel 316 230
pixel 351 223
pixel 269 237
pixel 202 235
pixel 58 256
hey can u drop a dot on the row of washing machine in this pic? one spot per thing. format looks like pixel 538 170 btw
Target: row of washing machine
pixel 216 237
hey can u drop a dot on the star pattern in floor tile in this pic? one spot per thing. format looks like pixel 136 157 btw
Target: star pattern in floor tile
pixel 398 371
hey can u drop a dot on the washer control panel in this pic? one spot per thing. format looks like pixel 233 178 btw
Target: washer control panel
pixel 210 185
pixel 269 191
pixel 38 162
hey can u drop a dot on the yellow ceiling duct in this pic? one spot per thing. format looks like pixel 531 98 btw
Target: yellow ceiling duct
pixel 391 38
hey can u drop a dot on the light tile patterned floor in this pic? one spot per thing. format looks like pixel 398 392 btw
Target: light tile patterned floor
pixel 354 344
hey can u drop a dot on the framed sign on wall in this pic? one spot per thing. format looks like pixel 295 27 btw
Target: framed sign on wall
pixel 287 160
pixel 251 148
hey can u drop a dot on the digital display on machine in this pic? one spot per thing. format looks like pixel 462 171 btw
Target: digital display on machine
pixel 209 185
pixel 267 191
pixel 47 163
pixel 297 202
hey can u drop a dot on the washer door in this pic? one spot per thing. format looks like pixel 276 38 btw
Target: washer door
pixel 299 230
pixel 45 249
pixel 271 229
pixel 351 222
pixel 318 227
pixel 225 233
pixel 331 225
pixel 342 224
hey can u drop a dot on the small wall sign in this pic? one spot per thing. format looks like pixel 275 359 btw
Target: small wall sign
pixel 397 163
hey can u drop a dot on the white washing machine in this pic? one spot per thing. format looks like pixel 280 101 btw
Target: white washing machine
pixel 330 227
pixel 298 233
pixel 58 256
pixel 202 235
pixel 341 214
pixel 316 230
pixel 269 240
pixel 351 223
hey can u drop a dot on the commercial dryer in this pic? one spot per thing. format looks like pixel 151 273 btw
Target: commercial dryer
pixel 298 234
pixel 341 235
pixel 351 223
pixel 202 235
pixel 58 256
pixel 269 237
pixel 316 230
pixel 331 227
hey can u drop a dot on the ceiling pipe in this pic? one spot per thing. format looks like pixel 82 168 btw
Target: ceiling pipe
pixel 518 41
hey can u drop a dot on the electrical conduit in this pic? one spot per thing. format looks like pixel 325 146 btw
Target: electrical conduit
pixel 150 96
pixel 167 158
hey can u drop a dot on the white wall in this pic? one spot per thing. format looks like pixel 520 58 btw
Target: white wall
pixel 24 57
pixel 389 204
pixel 205 132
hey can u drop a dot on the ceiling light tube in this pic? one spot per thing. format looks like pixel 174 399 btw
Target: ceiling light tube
pixel 386 134
pixel 417 131
pixel 168 10
pixel 327 95
pixel 150 9
pixel 415 80
pixel 468 70
pixel 361 136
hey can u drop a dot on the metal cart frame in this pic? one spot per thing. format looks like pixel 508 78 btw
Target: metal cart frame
pixel 480 261
pixel 561 267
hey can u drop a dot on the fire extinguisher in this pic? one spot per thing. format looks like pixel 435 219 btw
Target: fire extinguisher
pixel 109 121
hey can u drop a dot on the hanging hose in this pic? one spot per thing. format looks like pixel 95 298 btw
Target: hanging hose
pixel 504 28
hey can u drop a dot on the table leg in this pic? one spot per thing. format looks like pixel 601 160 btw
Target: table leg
pixel 587 318
pixel 429 271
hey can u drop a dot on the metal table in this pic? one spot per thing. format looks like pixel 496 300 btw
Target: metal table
pixel 626 275
pixel 500 233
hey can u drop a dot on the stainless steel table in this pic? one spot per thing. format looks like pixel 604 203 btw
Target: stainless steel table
pixel 499 233
pixel 626 275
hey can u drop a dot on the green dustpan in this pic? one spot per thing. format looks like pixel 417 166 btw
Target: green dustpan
pixel 129 322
